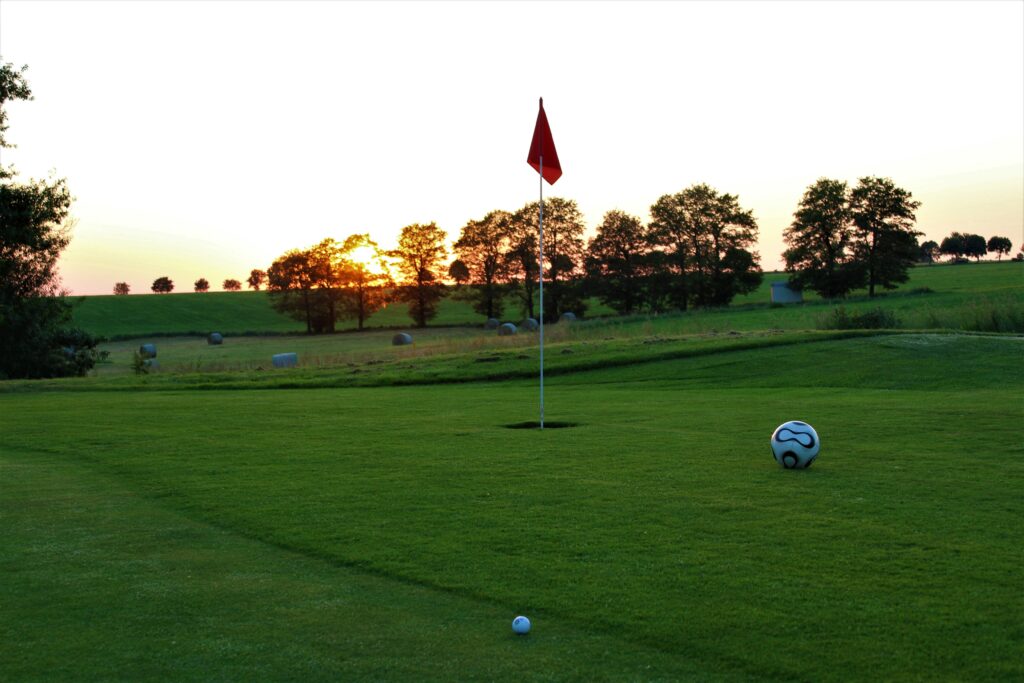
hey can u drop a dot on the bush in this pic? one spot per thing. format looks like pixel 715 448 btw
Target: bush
pixel 873 319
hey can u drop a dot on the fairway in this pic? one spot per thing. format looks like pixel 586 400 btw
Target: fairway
pixel 393 532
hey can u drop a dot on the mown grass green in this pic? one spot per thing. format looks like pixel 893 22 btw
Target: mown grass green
pixel 657 533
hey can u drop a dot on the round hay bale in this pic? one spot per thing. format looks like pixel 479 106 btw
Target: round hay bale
pixel 147 350
pixel 506 330
pixel 492 324
pixel 530 324
pixel 567 317
pixel 285 360
pixel 401 339
pixel 215 339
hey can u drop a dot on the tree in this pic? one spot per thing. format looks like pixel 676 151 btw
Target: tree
pixel 522 262
pixel 232 285
pixel 484 247
pixel 290 281
pixel 458 271
pixel 885 242
pixel 929 252
pixel 256 278
pixel 163 285
pixel 564 252
pixel 1000 246
pixel 36 338
pixel 121 288
pixel 954 246
pixel 365 289
pixel 819 240
pixel 706 238
pixel 420 253
pixel 975 246
pixel 618 263
pixel 202 285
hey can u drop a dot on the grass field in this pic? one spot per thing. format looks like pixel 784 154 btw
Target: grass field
pixel 368 515
pixel 239 313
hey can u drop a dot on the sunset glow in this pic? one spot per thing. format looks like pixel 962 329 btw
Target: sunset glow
pixel 208 162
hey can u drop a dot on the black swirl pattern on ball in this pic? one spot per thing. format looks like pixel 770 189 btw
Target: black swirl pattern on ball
pixel 782 437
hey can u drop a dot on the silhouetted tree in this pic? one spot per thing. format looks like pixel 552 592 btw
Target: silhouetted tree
pixel 231 285
pixel 706 236
pixel 564 252
pixel 202 285
pixel 484 247
pixel 954 246
pixel 163 285
pixel 420 253
pixel 885 242
pixel 618 262
pixel 819 240
pixel 999 246
pixel 290 281
pixel 929 252
pixel 121 288
pixel 256 278
pixel 975 246
pixel 36 338
pixel 522 261
pixel 458 271
pixel 365 290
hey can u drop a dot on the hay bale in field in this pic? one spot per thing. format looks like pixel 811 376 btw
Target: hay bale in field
pixel 492 324
pixel 530 324
pixel 506 330
pixel 285 360
pixel 215 339
pixel 401 339
pixel 567 317
pixel 147 350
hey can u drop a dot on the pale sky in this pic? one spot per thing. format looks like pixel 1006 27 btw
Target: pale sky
pixel 204 139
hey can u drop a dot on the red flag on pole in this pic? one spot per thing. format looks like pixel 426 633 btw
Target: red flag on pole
pixel 543 145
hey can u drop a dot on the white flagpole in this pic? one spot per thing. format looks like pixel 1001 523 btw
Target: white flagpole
pixel 541 269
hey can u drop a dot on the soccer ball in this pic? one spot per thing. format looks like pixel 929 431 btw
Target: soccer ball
pixel 521 625
pixel 795 445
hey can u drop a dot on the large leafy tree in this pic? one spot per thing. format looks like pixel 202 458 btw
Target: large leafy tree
pixel 523 267
pixel 484 247
pixel 618 263
pixel 564 252
pixel 365 285
pixel 291 280
pixel 885 242
pixel 201 285
pixel 706 237
pixel 999 246
pixel 420 255
pixel 954 246
pixel 975 246
pixel 819 241
pixel 36 338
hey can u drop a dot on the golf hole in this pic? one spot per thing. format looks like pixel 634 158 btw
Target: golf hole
pixel 548 424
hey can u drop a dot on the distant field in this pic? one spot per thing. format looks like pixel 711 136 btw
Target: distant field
pixel 237 313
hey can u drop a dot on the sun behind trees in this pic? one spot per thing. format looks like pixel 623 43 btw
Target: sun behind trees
pixel 324 284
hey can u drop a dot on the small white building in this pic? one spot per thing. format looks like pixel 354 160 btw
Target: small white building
pixel 782 294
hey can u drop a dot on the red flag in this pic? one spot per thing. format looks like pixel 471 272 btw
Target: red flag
pixel 543 145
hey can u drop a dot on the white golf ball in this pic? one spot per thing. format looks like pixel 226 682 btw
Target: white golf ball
pixel 521 625
pixel 795 445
